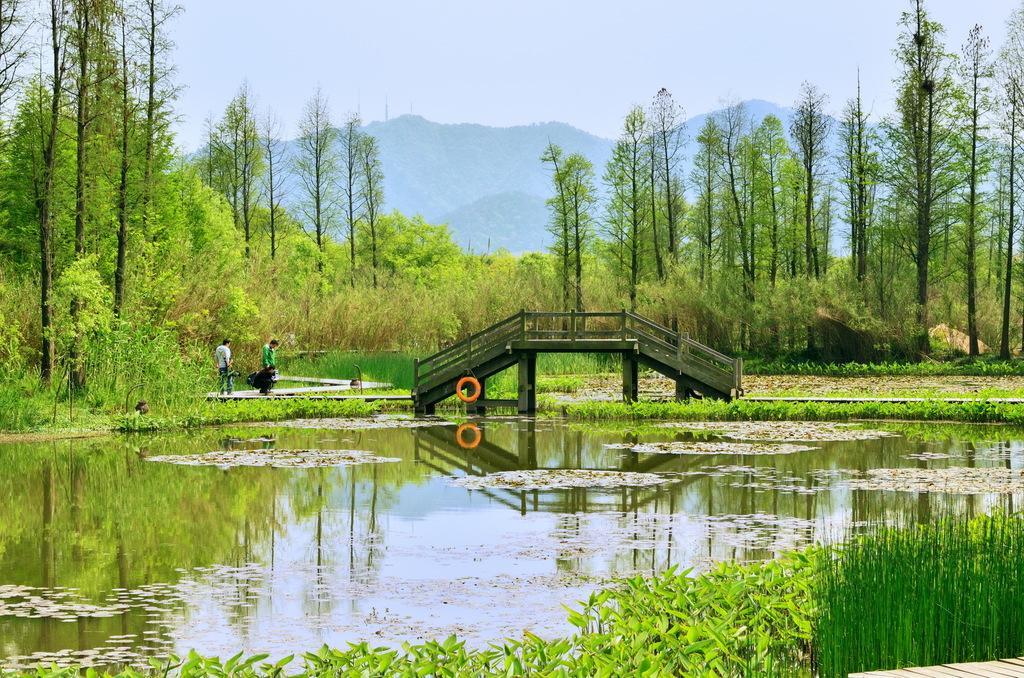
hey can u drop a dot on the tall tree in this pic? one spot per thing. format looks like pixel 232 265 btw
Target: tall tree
pixel 921 142
pixel 704 178
pixel 372 192
pixel 859 165
pixel 316 167
pixel 810 129
pixel 667 131
pixel 87 16
pixel 49 126
pixel 1012 77
pixel 558 227
pixel 775 150
pixel 159 91
pixel 273 179
pixel 733 125
pixel 975 72
pixel 126 84
pixel 581 199
pixel 241 138
pixel 628 179
pixel 351 167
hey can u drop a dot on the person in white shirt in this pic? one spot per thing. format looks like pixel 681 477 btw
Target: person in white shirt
pixel 222 358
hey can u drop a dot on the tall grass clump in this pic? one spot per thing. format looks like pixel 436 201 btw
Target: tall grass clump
pixel 393 368
pixel 952 591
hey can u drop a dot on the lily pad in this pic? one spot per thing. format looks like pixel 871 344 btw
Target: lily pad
pixel 360 423
pixel 719 448
pixel 950 480
pixel 274 458
pixel 782 431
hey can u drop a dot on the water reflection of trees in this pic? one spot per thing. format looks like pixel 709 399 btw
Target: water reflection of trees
pixel 800 487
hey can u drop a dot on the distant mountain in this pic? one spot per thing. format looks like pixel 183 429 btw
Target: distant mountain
pixel 514 220
pixel 485 182
pixel 488 183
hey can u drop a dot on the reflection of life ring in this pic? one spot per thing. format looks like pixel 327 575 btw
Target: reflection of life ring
pixel 474 385
pixel 475 440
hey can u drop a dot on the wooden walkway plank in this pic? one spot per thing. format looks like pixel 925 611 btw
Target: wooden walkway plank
pixel 933 671
pixel 986 669
pixel 1004 668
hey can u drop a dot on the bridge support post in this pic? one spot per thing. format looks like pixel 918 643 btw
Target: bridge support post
pixel 477 408
pixel 630 378
pixel 682 391
pixel 528 383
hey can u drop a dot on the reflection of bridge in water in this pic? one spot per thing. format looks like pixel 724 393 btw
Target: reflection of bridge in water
pixel 438 449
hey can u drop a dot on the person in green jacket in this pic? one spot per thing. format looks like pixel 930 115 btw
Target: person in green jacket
pixel 270 355
pixel 268 367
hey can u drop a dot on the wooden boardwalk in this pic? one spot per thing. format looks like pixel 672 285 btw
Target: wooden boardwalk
pixel 323 389
pixel 997 669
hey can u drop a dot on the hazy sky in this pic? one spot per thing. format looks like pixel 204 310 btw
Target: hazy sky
pixel 508 62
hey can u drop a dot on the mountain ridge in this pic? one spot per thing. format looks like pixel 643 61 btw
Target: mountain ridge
pixel 487 183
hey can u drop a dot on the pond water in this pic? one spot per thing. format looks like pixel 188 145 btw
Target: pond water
pixel 112 550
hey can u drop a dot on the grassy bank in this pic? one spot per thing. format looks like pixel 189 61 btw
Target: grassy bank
pixel 890 598
pixel 958 367
pixel 982 412
pixel 205 414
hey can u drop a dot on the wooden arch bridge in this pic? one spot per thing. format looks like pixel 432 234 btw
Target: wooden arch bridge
pixel 696 369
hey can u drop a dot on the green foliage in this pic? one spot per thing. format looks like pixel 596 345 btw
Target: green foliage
pixel 981 411
pixel 81 287
pixel 958 367
pixel 922 595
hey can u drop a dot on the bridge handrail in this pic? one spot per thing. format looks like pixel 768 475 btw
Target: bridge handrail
pixel 484 340
pixel 472 337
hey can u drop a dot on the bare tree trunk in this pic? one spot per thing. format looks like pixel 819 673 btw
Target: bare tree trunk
pixel 44 200
pixel 1004 337
pixel 122 189
pixel 83 39
pixel 152 36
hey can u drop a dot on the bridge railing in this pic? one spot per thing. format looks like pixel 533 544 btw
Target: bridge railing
pixel 461 353
pixel 574 326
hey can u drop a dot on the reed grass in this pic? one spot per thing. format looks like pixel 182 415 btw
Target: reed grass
pixel 987 412
pixel 922 595
pixel 977 367
pixel 396 368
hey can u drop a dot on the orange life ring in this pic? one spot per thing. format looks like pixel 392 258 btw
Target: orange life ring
pixel 474 384
pixel 478 436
